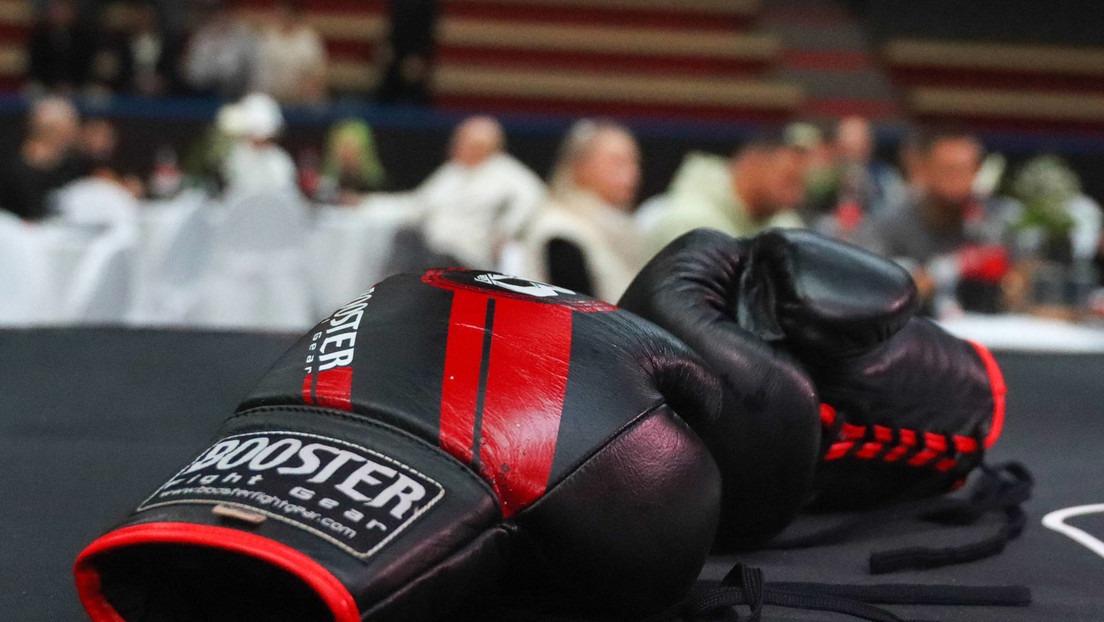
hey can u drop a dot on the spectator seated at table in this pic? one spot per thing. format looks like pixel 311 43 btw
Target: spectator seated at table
pixel 47 159
pixel 222 54
pixel 255 163
pixel 291 58
pixel 857 185
pixel 479 198
pixel 757 188
pixel 352 166
pixel 583 237
pixel 97 145
pixel 945 232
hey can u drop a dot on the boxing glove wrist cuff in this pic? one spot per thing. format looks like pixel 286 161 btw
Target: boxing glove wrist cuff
pixel 324 584
pixel 316 504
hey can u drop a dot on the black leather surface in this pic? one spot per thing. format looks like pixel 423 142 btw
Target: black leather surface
pixel 93 419
pixel 560 379
pixel 768 439
pixel 822 297
pixel 848 315
pixel 920 379
pixel 638 510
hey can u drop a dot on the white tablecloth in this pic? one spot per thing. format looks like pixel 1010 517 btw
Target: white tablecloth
pixel 1027 333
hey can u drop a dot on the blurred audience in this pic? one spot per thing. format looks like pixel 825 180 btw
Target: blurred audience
pixel 291 58
pixel 407 53
pixel 583 236
pixel 255 163
pixel 856 185
pixel 98 141
pixel 204 159
pixel 221 56
pixel 143 59
pixel 48 158
pixel 946 214
pixel 479 198
pixel 945 233
pixel 98 145
pixel 939 216
pixel 60 50
pixel 910 160
pixel 352 166
pixel 757 188
pixel 820 163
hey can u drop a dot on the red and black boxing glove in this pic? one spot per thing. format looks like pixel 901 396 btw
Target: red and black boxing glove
pixel 910 408
pixel 446 439
pixel 907 411
pixel 767 440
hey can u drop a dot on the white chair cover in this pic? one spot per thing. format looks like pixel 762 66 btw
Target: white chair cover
pixel 94 202
pixel 350 246
pixel 102 285
pixel 22 274
pixel 257 276
pixel 172 254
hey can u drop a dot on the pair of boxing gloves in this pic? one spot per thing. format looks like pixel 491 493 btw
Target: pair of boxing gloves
pixel 463 438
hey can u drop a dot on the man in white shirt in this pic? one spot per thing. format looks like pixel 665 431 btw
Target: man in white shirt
pixel 479 198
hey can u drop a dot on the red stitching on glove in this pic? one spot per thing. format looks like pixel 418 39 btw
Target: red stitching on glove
pixel 939 450
pixel 852 432
pixel 923 457
pixel 869 450
pixel 883 434
pixel 838 450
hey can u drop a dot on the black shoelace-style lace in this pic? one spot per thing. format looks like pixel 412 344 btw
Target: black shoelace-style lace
pixel 744 587
pixel 1003 487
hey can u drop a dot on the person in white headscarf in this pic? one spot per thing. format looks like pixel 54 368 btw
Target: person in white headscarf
pixel 584 237
pixel 255 162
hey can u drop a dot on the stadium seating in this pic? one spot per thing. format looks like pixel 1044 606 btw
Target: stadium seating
pixel 1000 85
pixel 696 60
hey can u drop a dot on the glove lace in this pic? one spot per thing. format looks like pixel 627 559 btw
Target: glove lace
pixel 1003 487
pixel 743 586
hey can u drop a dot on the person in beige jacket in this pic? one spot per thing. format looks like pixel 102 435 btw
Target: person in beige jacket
pixel 756 189
pixel 583 236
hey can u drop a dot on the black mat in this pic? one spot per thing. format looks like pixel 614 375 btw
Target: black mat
pixel 91 420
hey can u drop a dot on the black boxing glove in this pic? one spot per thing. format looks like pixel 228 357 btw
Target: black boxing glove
pixel 452 438
pixel 912 407
pixel 766 443
pixel 907 408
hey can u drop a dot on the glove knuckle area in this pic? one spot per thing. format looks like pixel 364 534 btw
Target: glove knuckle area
pixel 825 295
pixel 688 282
pixel 627 532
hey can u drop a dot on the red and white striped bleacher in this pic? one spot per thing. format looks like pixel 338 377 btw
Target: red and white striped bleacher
pixel 697 59
pixel 1001 85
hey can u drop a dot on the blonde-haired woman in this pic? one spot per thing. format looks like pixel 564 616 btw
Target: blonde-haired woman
pixel 583 237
